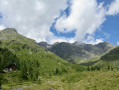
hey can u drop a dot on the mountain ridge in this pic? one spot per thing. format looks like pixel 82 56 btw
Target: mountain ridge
pixel 78 51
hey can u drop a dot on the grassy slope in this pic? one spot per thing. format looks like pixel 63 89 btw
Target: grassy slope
pixel 94 80
pixel 110 59
pixel 113 55
pixel 27 49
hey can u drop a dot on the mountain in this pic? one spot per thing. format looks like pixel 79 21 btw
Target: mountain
pixel 33 59
pixel 23 60
pixel 110 60
pixel 38 68
pixel 11 35
pixel 78 51
pixel 112 55
pixel 44 44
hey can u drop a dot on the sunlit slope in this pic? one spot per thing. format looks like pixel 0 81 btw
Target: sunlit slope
pixel 29 52
pixel 109 60
pixel 94 80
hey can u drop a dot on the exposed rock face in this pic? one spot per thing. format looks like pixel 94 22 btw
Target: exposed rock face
pixel 77 50
pixel 44 44
pixel 112 55
pixel 11 34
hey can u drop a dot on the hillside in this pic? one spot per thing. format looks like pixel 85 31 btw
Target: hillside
pixel 6 58
pixel 33 59
pixel 10 34
pixel 112 55
pixel 38 68
pixel 110 60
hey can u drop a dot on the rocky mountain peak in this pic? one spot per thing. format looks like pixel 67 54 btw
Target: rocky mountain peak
pixel 10 30
pixel 44 44
pixel 105 44
pixel 78 50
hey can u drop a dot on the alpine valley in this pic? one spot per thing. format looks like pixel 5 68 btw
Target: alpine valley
pixel 28 65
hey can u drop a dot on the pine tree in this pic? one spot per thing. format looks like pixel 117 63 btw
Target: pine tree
pixel 37 64
pixel 57 71
pixel 1 69
pixel 88 68
pixel 98 68
pixel 1 77
pixel 30 71
pixel 50 74
pixel 111 68
pixel 108 67
pixel 24 72
pixel 92 68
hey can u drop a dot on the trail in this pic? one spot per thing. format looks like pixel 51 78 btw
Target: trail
pixel 21 88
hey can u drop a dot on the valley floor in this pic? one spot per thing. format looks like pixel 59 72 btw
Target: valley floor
pixel 87 80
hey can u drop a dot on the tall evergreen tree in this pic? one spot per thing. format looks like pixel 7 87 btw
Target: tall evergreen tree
pixel 24 72
pixel 1 69
pixel 88 68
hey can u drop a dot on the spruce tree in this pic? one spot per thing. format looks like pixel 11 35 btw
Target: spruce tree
pixel 57 71
pixel 1 69
pixel 24 72
pixel 88 68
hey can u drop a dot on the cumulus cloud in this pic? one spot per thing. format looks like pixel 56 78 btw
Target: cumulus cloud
pixel 2 27
pixel 54 39
pixel 117 42
pixel 92 40
pixel 85 17
pixel 113 8
pixel 33 18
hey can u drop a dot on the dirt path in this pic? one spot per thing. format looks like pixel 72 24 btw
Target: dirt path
pixel 21 88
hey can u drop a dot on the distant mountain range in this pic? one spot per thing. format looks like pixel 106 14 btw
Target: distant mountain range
pixel 27 49
pixel 77 51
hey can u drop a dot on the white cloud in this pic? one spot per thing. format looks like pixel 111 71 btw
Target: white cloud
pixel 31 18
pixel 86 16
pixel 117 42
pixel 54 39
pixel 92 40
pixel 2 27
pixel 113 8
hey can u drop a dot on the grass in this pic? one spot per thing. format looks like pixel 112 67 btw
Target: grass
pixel 105 64
pixel 93 80
pixel 18 85
pixel 13 80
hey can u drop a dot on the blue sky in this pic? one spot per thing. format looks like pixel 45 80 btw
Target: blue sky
pixel 109 30
pixel 87 21
pixel 111 27
pixel 106 2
